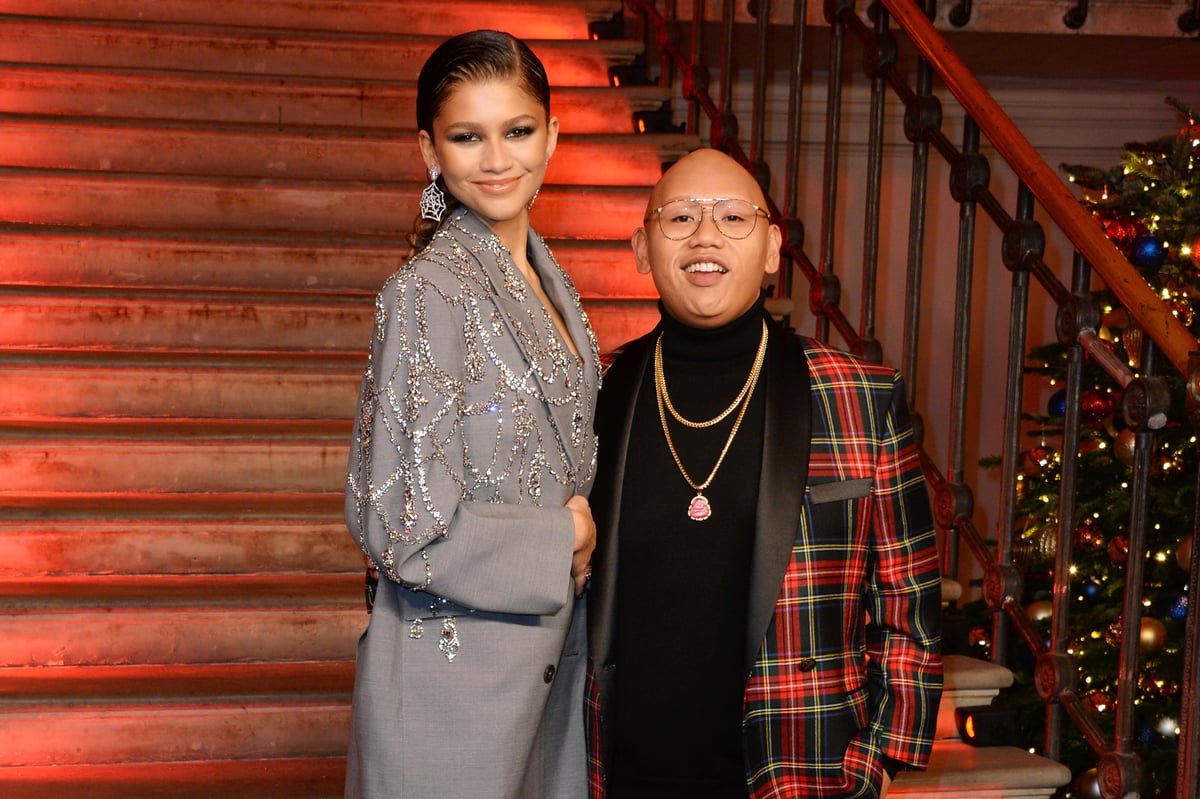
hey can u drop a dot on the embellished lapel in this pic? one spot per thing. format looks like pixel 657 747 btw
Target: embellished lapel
pixel 787 437
pixel 521 314
pixel 562 292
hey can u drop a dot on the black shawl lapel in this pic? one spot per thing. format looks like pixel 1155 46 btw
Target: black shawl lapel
pixel 614 423
pixel 786 440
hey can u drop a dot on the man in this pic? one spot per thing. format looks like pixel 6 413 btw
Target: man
pixel 765 598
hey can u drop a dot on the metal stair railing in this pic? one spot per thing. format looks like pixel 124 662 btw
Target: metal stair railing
pixel 1146 395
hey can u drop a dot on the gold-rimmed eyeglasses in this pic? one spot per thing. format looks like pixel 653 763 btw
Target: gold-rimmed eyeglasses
pixel 679 219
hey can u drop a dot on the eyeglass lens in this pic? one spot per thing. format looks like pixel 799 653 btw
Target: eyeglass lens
pixel 679 219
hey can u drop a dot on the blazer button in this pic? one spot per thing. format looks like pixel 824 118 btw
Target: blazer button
pixel 808 664
pixel 548 674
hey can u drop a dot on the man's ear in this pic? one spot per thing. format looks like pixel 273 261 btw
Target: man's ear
pixel 774 242
pixel 641 250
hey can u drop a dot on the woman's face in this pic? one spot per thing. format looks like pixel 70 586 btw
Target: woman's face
pixel 491 142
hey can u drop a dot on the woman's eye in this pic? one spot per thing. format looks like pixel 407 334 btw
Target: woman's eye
pixel 520 133
pixel 462 138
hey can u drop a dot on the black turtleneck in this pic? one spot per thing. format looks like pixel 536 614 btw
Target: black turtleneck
pixel 683 584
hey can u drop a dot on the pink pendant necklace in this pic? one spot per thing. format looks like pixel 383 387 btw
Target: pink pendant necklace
pixel 700 508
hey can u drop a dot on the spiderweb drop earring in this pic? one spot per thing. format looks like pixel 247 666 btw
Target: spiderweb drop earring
pixel 433 201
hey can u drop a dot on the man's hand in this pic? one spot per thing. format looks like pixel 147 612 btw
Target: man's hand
pixel 883 786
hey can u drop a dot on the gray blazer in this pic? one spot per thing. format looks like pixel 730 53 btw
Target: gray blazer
pixel 474 427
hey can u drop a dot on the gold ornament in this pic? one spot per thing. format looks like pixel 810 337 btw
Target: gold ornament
pixel 1152 636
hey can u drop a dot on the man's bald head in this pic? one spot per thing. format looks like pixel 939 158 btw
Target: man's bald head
pixel 706 167
pixel 709 263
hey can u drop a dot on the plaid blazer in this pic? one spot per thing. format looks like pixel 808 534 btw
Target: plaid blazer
pixel 844 614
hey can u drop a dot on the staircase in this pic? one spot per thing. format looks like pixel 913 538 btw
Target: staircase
pixel 199 199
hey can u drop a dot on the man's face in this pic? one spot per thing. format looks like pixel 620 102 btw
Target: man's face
pixel 707 279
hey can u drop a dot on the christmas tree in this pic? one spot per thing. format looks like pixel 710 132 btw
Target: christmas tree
pixel 1149 206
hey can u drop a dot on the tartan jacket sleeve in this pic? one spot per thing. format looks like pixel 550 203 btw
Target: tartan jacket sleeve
pixel 849 669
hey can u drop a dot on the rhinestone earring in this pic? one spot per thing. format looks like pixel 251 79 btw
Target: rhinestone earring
pixel 433 200
pixel 533 199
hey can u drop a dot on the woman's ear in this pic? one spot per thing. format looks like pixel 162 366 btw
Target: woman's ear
pixel 428 153
pixel 551 137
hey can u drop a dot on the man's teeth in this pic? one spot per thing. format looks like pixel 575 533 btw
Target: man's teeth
pixel 703 267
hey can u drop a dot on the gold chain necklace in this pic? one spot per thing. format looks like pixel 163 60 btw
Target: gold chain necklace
pixel 700 508
pixel 762 348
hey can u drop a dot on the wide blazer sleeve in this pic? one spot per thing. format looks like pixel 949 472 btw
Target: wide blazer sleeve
pixel 458 474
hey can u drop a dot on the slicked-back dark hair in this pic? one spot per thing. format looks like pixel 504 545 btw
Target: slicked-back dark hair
pixel 474 57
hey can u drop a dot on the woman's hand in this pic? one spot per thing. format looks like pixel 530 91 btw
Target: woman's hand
pixel 585 541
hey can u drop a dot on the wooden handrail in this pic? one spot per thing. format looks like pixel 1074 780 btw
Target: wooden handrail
pixel 1171 335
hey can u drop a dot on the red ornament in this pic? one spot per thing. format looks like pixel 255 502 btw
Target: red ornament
pixel 1123 446
pixel 1095 405
pixel 1156 685
pixel 1112 633
pixel 1098 702
pixel 1195 247
pixel 1183 555
pixel 979 637
pixel 1182 308
pixel 1118 550
pixel 1122 232
pixel 1037 459
pixel 1087 535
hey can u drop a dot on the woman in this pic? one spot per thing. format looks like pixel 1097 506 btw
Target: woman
pixel 472 454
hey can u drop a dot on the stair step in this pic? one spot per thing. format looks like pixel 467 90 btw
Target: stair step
pixel 43 322
pixel 222 50
pixel 210 731
pixel 156 457
pixel 180 619
pixel 44 548
pixel 273 778
pixel 188 323
pixel 959 771
pixel 68 506
pixel 311 590
pixel 27 687
pixel 156 202
pixel 969 682
pixel 550 18
pixel 131 259
pixel 36 255
pixel 278 103
pixel 108 385
pixel 242 151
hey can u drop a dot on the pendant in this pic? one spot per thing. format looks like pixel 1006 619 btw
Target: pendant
pixel 448 645
pixel 698 508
